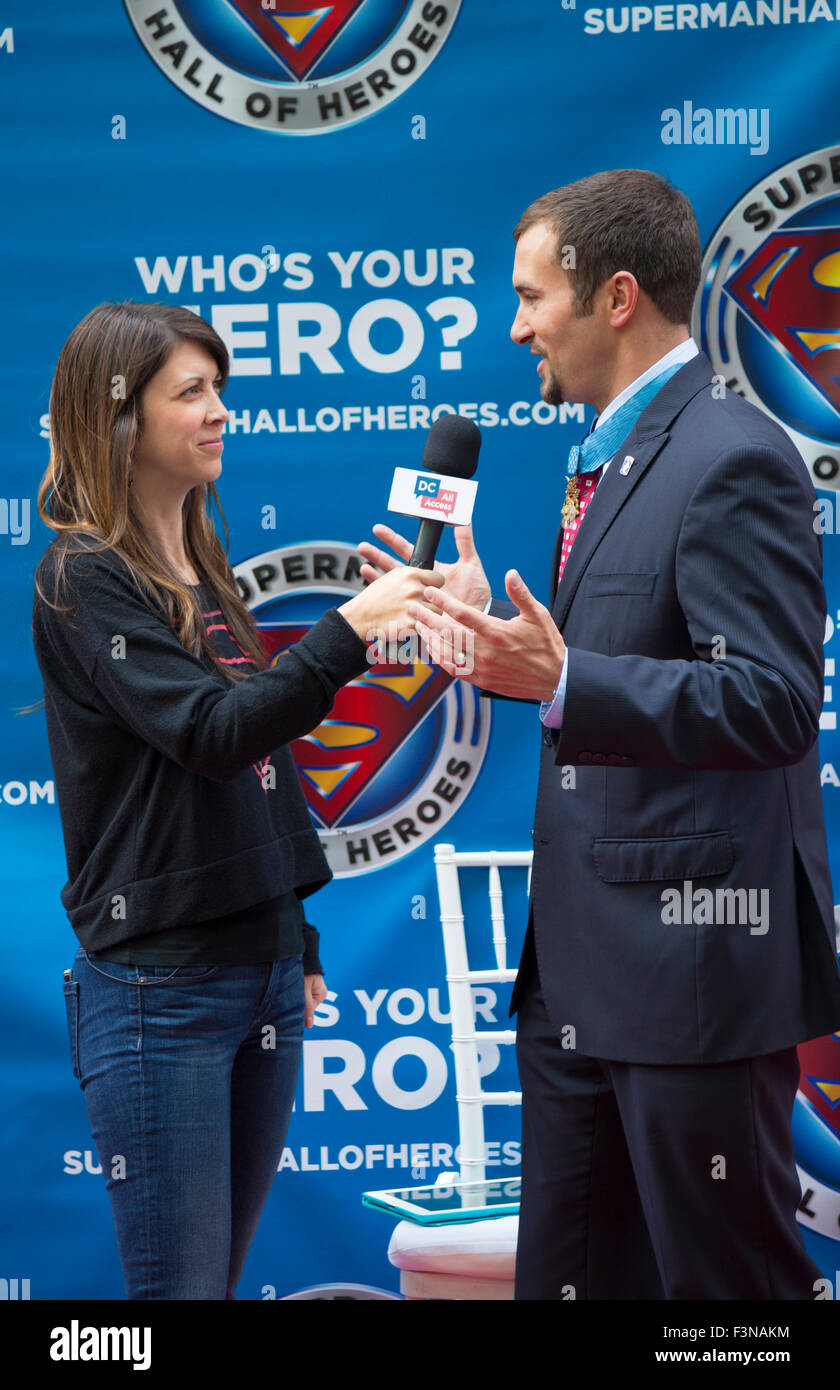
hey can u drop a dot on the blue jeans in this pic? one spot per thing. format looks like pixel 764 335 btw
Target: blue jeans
pixel 189 1076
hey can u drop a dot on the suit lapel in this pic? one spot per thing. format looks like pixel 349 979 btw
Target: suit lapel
pixel 643 444
pixel 555 562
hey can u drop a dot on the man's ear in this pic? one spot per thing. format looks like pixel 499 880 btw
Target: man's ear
pixel 622 297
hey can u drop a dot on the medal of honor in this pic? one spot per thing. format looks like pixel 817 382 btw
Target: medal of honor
pixel 571 505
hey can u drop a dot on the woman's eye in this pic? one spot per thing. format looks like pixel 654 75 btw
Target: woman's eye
pixel 218 387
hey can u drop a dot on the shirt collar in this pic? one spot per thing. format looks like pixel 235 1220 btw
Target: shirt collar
pixel 683 352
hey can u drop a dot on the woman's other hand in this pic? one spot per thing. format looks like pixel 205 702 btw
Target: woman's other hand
pixel 316 993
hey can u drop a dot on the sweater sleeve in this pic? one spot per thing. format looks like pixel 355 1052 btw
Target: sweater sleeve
pixel 311 943
pixel 140 674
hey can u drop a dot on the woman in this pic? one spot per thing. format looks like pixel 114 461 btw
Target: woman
pixel 189 845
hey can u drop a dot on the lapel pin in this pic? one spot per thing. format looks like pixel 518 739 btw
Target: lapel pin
pixel 627 465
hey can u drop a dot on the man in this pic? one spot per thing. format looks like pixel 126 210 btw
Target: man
pixel 681 936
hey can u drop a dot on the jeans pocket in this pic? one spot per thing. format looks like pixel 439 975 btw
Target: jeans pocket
pixel 189 974
pixel 150 974
pixel 113 969
pixel 71 1004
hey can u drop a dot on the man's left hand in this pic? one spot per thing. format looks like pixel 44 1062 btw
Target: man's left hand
pixel 521 658
pixel 316 993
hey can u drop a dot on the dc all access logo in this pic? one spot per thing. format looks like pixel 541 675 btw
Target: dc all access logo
pixel 292 67
pixel 768 311
pixel 403 744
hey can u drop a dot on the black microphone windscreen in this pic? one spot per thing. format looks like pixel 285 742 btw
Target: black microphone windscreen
pixel 452 447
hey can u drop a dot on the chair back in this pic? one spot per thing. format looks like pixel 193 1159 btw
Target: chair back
pixel 460 977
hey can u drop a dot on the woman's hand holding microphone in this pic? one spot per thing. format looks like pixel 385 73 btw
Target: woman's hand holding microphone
pixel 383 605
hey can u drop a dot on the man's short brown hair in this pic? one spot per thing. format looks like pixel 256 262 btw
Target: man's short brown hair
pixel 624 219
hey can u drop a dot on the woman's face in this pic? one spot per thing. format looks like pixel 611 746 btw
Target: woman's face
pixel 180 442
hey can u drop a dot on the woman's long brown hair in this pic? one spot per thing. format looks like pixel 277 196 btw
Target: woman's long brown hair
pixel 95 421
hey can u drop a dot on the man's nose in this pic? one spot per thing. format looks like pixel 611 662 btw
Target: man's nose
pixel 520 331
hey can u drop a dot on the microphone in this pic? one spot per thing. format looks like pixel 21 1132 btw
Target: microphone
pixel 451 450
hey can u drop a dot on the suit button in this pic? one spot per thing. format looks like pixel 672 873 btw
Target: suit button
pixel 599 758
pixel 547 740
pixel 584 757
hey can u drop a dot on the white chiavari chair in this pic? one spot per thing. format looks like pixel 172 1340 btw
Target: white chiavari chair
pixel 470 1259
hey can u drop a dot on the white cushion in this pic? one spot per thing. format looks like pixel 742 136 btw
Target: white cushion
pixel 485 1249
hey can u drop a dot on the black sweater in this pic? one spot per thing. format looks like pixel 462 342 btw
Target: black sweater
pixel 159 765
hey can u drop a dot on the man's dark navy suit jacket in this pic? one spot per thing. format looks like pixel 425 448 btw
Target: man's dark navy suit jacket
pixel 693 609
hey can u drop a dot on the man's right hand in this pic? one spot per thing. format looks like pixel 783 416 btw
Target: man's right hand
pixel 465 580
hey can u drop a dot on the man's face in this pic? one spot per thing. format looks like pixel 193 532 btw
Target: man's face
pixel 547 322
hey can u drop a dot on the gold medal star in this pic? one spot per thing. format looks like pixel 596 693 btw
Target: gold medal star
pixel 571 505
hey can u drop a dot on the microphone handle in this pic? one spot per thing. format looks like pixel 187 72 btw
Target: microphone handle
pixel 425 548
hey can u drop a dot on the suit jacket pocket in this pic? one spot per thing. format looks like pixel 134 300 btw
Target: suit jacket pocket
pixel 600 585
pixel 671 857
